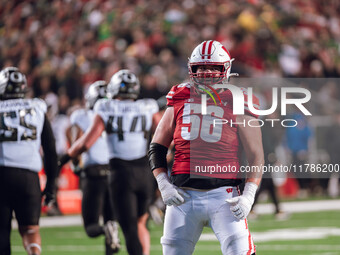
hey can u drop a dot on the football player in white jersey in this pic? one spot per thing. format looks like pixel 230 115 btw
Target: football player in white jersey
pixel 128 123
pixel 23 129
pixel 95 173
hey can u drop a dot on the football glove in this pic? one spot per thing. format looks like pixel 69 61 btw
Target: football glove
pixel 240 206
pixel 63 160
pixel 77 169
pixel 49 197
pixel 171 194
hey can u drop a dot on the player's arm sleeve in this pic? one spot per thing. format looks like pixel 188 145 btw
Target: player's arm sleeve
pixel 50 154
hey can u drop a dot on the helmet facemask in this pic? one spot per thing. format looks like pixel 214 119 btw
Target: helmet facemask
pixel 215 57
pixel 217 74
pixel 13 83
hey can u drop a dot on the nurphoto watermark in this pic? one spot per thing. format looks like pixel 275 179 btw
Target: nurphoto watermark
pixel 239 105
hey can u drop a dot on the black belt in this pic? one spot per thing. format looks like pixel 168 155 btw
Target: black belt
pixel 97 171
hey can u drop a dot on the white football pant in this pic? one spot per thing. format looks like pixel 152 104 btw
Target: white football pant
pixel 183 224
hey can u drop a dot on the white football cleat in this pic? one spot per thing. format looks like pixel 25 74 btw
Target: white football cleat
pixel 111 235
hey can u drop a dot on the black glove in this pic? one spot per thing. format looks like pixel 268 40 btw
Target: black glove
pixel 77 170
pixel 49 197
pixel 63 160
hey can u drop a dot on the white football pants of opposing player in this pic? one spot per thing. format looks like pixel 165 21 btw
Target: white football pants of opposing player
pixel 184 224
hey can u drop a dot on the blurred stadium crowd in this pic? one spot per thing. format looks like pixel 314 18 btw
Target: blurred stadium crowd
pixel 65 45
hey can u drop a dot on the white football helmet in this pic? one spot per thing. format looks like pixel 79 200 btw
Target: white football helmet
pixel 96 91
pixel 210 53
pixel 13 83
pixel 124 84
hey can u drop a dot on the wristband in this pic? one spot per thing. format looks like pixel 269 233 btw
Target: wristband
pixel 157 156
pixel 250 189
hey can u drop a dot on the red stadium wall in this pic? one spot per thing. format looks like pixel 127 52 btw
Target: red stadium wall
pixel 68 196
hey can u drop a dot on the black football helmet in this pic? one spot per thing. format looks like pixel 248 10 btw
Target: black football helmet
pixel 97 90
pixel 123 84
pixel 13 83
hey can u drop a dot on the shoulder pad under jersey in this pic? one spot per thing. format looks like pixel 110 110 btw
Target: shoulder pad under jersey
pixel 178 92
pixel 38 102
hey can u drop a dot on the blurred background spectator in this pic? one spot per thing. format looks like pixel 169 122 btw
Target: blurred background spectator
pixel 67 45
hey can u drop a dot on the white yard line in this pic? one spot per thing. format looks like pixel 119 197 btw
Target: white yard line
pixel 57 221
pixel 300 247
pixel 318 249
pixel 291 207
pixel 288 234
pixel 300 206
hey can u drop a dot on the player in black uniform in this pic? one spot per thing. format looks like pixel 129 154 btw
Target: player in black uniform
pixel 128 123
pixel 94 177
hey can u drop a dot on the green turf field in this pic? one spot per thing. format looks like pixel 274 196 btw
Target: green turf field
pixel 315 233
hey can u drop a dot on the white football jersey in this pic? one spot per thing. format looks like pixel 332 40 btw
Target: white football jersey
pixel 128 125
pixel 98 153
pixel 21 124
pixel 59 125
